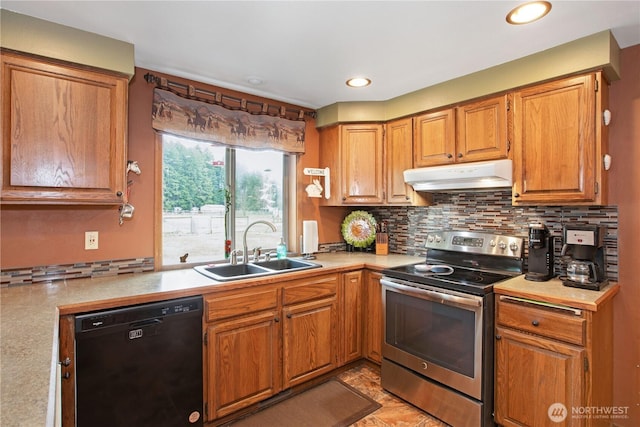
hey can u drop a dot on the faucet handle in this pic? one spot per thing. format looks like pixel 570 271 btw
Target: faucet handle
pixel 234 256
pixel 256 253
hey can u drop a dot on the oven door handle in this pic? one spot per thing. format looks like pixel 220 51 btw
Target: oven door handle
pixel 433 295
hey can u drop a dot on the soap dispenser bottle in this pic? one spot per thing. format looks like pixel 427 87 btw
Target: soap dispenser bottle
pixel 281 250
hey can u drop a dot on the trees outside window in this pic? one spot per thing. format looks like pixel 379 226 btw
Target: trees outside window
pixel 211 193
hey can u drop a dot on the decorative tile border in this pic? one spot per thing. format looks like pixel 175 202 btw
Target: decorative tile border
pixel 23 276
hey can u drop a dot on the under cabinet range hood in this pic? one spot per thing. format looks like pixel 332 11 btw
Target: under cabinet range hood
pixel 477 176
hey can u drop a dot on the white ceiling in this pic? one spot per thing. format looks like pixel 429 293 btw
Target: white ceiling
pixel 304 51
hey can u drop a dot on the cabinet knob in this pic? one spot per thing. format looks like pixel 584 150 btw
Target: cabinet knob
pixel 498 337
pixel 449 155
pixel 516 194
pixel 288 315
pixel 119 194
pixel 459 155
pixel 277 319
pixel 535 323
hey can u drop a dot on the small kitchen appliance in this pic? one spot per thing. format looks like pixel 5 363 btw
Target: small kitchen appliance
pixel 540 259
pixel 438 333
pixel 584 257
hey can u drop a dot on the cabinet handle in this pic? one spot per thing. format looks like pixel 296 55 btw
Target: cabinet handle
pixel 288 315
pixel 535 323
pixel 516 194
pixel 277 319
pixel 498 337
pixel 449 155
pixel 459 155
pixel 119 194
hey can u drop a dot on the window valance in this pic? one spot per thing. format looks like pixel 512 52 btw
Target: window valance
pixel 236 122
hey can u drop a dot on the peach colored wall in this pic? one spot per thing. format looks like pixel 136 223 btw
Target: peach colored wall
pixel 624 187
pixel 55 235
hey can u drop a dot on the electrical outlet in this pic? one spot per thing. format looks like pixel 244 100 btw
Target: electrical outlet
pixel 90 240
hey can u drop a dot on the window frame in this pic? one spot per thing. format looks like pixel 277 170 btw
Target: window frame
pixel 288 203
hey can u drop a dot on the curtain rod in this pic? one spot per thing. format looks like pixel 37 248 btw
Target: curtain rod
pixel 219 98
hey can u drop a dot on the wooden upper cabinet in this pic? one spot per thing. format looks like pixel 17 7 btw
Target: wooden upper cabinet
pixel 434 138
pixel 481 128
pixel 471 132
pixel 559 142
pixel 354 154
pixel 398 158
pixel 63 133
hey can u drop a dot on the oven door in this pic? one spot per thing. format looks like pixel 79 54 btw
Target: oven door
pixel 434 332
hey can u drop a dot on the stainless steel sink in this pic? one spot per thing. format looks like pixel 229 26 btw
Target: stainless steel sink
pixel 286 264
pixel 228 272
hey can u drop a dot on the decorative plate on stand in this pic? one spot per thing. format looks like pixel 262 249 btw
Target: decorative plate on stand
pixel 359 229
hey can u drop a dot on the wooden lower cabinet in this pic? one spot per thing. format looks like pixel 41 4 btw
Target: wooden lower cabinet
pixel 243 357
pixel 267 339
pixel 552 361
pixel 351 320
pixel 373 317
pixel 309 340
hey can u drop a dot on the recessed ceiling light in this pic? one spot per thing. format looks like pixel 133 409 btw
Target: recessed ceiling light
pixel 358 82
pixel 528 12
pixel 255 80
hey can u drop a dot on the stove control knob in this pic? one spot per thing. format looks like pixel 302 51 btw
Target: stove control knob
pixel 502 245
pixel 430 238
pixel 492 243
pixel 438 239
pixel 514 247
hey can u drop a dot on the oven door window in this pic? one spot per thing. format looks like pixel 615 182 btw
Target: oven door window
pixel 442 334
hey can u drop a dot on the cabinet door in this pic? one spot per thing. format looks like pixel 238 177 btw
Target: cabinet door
pixel 309 340
pixel 434 138
pixel 243 362
pixel 352 316
pixel 373 317
pixel 534 373
pixel 63 132
pixel 399 157
pixel 555 142
pixel 482 130
pixel 362 155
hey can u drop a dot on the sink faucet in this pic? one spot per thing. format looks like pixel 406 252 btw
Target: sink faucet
pixel 245 252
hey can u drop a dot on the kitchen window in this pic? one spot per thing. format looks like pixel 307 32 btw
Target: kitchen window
pixel 212 192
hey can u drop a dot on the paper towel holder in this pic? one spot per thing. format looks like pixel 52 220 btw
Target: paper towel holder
pixel 309 239
pixel 315 189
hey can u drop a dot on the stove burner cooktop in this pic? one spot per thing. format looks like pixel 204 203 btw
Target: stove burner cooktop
pixel 478 261
pixel 462 279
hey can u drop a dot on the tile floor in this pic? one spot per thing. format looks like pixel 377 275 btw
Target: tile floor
pixel 394 411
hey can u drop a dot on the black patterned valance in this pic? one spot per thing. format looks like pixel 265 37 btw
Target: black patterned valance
pixel 213 121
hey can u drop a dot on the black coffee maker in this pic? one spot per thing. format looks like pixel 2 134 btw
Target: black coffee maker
pixel 540 260
pixel 584 257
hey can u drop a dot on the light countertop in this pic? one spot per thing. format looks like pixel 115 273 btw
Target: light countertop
pixel 553 291
pixel 29 322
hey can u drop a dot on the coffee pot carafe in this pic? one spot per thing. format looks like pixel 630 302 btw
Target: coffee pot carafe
pixel 583 256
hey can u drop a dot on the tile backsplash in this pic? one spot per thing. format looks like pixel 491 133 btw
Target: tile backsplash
pixel 492 211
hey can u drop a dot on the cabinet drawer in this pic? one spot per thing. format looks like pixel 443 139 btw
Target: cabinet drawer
pixel 310 289
pixel 558 323
pixel 223 306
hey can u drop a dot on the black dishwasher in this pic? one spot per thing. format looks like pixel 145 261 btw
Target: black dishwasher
pixel 140 365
